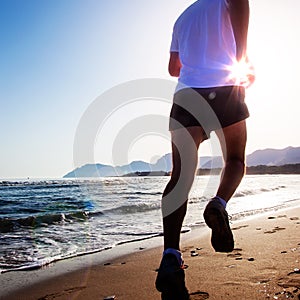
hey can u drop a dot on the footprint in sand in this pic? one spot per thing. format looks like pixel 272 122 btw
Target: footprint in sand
pixel 236 254
pixel 65 293
pixel 291 280
pixel 239 227
pixel 269 231
pixel 194 253
pixel 199 295
pixel 290 285
pixel 186 249
pixel 275 229
pixel 285 295
pixel 282 216
pixel 237 249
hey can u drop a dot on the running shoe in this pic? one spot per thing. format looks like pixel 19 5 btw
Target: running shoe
pixel 216 218
pixel 170 279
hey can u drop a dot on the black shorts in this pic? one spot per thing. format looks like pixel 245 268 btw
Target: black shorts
pixel 209 108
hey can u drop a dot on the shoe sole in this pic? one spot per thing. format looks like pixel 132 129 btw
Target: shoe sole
pixel 170 286
pixel 173 296
pixel 221 237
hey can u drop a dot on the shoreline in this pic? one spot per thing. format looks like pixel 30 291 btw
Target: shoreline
pixel 106 272
pixel 14 280
pixel 127 247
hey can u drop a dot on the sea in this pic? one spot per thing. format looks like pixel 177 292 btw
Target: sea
pixel 43 221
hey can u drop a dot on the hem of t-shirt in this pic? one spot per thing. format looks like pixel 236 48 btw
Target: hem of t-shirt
pixel 181 86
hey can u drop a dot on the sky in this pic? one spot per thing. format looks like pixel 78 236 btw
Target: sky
pixel 58 57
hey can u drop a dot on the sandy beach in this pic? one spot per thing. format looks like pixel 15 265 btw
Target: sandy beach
pixel 264 265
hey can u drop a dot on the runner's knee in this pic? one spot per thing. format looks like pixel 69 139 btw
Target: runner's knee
pixel 236 162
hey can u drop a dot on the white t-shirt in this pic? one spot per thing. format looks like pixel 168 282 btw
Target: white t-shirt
pixel 204 38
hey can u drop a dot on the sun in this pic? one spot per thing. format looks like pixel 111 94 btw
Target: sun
pixel 242 72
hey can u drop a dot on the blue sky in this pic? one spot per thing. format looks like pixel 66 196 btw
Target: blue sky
pixel 58 56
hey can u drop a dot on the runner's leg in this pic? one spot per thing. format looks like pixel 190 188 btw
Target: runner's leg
pixel 233 142
pixel 185 144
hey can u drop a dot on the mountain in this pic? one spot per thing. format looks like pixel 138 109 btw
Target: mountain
pixel 267 157
pixel 274 157
pixel 92 170
pixel 163 164
pixel 100 170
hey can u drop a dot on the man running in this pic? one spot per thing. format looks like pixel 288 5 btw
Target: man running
pixel 208 53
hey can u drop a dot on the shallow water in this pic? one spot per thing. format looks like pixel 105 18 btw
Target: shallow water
pixel 46 220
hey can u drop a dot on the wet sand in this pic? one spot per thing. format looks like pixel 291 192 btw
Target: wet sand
pixel 264 265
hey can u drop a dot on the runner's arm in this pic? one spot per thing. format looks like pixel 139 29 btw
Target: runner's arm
pixel 174 64
pixel 239 15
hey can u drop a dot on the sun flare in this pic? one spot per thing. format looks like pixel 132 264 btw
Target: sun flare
pixel 243 73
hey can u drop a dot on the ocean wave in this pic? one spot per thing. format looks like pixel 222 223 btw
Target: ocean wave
pixel 147 193
pixel 201 199
pixel 11 224
pixel 255 212
pixel 244 193
pixel 35 221
pixel 40 184
pixel 47 261
pixel 34 265
pixel 134 208
pixel 131 193
pixel 239 193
